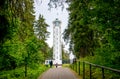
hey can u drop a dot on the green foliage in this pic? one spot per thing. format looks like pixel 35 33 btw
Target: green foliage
pixel 90 25
pixel 79 31
pixel 19 47
pixel 93 31
pixel 66 65
pixel 96 72
pixel 49 54
pixel 18 73
pixel 41 28
pixel 65 54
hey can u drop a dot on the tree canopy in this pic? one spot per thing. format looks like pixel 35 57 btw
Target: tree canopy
pixel 93 29
pixel 19 45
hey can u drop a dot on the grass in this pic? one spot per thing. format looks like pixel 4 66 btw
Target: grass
pixel 96 72
pixel 18 73
pixel 66 65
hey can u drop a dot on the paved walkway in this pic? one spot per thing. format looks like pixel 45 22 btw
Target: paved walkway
pixel 58 73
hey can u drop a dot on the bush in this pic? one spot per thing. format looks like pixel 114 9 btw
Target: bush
pixel 18 73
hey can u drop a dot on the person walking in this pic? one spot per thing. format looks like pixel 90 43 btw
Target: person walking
pixel 56 65
pixel 51 64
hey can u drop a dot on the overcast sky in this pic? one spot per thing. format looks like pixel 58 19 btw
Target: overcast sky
pixel 50 16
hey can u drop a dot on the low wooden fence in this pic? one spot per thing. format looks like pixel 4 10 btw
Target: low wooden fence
pixel 80 68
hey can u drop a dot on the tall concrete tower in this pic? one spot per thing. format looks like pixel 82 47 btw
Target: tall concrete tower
pixel 57 53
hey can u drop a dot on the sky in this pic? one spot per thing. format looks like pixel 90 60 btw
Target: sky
pixel 50 16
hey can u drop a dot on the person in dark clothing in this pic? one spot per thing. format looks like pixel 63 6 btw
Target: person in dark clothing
pixel 56 65
pixel 51 63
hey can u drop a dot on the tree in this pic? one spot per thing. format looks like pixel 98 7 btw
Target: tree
pixel 93 29
pixel 79 31
pixel 8 29
pixel 41 28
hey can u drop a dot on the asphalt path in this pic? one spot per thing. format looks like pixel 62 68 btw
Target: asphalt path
pixel 58 73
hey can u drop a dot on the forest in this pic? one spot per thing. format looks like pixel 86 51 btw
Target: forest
pixel 23 49
pixel 93 33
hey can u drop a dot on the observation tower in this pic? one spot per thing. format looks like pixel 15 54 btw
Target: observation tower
pixel 57 53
